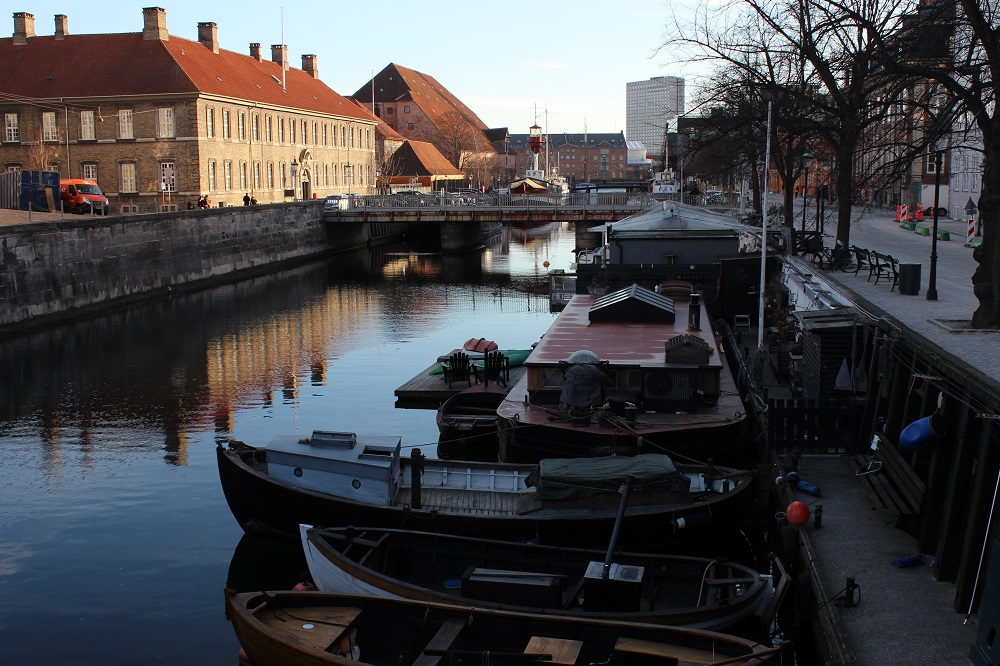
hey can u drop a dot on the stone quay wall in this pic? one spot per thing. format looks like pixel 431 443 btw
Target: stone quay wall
pixel 57 269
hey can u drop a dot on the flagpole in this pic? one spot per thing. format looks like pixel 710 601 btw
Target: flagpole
pixel 763 233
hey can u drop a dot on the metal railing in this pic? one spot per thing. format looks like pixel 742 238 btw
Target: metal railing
pixel 438 200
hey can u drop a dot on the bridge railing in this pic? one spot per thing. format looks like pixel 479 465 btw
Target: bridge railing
pixel 438 200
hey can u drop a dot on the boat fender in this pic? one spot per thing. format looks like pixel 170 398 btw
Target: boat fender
pixel 244 659
pixel 693 520
pixel 807 488
pixel 348 646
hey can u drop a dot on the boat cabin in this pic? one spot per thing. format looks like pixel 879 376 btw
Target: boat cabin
pixel 637 349
pixel 363 468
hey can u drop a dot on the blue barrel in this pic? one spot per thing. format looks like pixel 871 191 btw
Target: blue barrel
pixel 918 435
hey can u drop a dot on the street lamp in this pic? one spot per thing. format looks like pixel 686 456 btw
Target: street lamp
pixel 932 278
pixel 295 181
pixel 806 158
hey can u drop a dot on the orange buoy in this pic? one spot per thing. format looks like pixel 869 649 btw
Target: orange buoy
pixel 244 659
pixel 797 513
pixel 545 263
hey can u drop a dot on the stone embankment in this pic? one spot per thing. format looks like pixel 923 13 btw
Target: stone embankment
pixel 59 266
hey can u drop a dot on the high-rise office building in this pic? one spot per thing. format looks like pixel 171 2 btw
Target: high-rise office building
pixel 648 106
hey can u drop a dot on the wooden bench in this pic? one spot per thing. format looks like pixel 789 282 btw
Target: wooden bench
pixel 441 641
pixel 885 267
pixel 561 650
pixel 898 491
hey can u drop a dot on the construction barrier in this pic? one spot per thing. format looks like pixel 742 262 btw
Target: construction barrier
pixel 971 233
pixel 919 214
pixel 900 216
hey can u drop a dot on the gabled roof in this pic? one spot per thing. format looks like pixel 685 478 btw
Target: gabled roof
pixel 633 303
pixel 396 83
pixel 383 127
pixel 125 64
pixel 420 158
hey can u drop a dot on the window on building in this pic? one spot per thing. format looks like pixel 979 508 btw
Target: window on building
pixel 267 129
pixel 282 175
pixel 226 133
pixel 281 130
pixel 243 175
pixel 334 136
pixel 406 109
pixel 211 176
pixel 210 122
pixel 390 110
pixel 256 175
pixel 227 169
pixel 343 137
pixel 11 129
pixel 168 176
pixel 291 130
pixel 409 125
pixel 305 132
pixel 49 130
pixel 335 175
pixel 325 128
pixel 256 127
pixel 352 137
pixel 89 170
pixel 126 130
pixel 128 178
pixel 165 122
pixel 326 175
pixel 315 134
pixel 368 139
pixel 87 128
pixel 270 175
pixel 241 123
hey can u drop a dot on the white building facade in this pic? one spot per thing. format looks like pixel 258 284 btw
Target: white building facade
pixel 649 105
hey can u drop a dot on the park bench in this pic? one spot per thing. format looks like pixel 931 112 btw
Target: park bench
pixel 862 259
pixel 885 267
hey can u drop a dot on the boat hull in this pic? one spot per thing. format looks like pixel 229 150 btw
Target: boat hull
pixel 264 505
pixel 467 423
pixel 694 592
pixel 307 628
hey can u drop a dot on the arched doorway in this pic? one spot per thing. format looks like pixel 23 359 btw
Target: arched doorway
pixel 306 184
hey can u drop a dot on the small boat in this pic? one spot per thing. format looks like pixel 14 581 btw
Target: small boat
pixel 467 422
pixel 335 479
pixel 694 592
pixel 299 627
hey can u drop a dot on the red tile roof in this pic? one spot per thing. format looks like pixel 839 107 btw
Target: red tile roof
pixel 420 158
pixel 396 83
pixel 126 64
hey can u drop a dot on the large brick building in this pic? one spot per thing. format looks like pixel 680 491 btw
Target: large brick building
pixel 419 108
pixel 159 120
pixel 576 157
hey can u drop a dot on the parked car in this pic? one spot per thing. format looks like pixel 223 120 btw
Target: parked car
pixel 336 202
pixel 81 196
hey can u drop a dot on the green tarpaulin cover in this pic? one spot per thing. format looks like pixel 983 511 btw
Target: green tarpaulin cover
pixel 568 478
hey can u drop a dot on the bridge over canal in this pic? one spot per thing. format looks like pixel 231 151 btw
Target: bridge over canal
pixel 462 221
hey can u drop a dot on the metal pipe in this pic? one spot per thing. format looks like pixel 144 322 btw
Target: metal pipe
pixel 618 524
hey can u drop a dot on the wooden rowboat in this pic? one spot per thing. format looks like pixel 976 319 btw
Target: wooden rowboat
pixel 695 592
pixel 309 628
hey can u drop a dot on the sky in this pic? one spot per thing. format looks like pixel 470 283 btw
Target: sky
pixel 561 64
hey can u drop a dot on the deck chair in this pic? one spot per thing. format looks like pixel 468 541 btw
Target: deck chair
pixel 457 369
pixel 496 367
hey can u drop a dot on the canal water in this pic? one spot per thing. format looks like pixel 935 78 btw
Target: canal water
pixel 115 539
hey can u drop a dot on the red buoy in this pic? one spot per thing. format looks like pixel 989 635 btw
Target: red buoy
pixel 797 513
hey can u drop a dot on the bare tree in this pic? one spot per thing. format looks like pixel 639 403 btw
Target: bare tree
pixel 826 56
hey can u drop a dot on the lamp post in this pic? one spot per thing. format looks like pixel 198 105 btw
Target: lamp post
pixel 932 278
pixel 806 157
pixel 295 179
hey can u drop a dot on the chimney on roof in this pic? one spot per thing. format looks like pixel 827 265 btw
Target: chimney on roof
pixel 154 24
pixel 255 51
pixel 208 35
pixel 24 27
pixel 309 65
pixel 62 26
pixel 279 53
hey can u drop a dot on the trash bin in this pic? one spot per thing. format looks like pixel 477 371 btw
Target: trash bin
pixel 909 279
